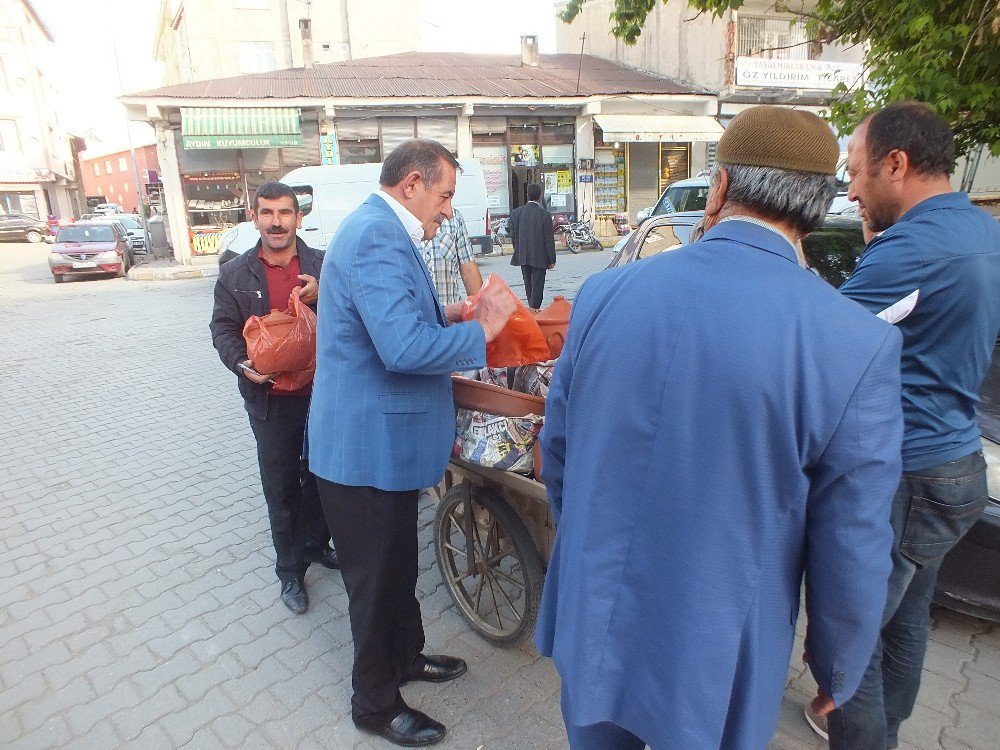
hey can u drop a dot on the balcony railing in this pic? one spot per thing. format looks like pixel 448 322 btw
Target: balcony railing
pixel 772 38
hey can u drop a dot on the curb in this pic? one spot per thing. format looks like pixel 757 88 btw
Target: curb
pixel 172 273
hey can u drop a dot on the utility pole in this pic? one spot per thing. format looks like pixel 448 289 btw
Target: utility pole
pixel 579 66
pixel 131 149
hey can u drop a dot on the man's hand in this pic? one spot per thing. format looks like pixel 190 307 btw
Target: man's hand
pixel 261 378
pixel 453 312
pixel 822 704
pixel 308 292
pixel 495 307
pixel 552 266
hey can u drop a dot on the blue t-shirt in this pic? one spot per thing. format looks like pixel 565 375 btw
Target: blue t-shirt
pixel 949 250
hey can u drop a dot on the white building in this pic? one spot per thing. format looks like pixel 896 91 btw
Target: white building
pixel 37 156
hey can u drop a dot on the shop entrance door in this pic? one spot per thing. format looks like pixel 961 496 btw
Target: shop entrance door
pixel 520 178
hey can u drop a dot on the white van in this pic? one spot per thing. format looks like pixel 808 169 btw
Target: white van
pixel 328 194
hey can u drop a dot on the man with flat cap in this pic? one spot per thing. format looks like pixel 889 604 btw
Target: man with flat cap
pixel 754 441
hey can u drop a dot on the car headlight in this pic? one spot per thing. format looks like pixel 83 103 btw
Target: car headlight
pixel 991 452
pixel 58 259
pixel 227 239
pixel 109 257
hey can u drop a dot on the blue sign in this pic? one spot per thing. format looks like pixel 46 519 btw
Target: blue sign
pixel 586 178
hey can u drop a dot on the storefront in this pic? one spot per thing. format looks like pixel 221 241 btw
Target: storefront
pixel 226 153
pixel 637 156
pixel 517 151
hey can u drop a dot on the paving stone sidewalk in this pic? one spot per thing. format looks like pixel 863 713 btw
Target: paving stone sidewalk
pixel 139 606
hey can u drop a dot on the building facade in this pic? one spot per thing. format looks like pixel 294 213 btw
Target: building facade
pixel 265 35
pixel 555 119
pixel 111 178
pixel 37 156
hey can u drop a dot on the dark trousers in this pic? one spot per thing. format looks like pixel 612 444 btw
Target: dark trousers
pixel 534 285
pixel 375 533
pixel 933 508
pixel 297 521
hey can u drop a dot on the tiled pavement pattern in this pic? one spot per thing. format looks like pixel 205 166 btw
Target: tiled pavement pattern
pixel 139 606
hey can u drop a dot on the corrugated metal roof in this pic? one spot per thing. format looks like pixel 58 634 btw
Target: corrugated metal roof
pixel 435 75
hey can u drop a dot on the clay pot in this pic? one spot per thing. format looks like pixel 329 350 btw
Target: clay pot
pixel 473 394
pixel 554 320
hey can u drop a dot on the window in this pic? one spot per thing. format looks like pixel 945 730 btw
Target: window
pixel 773 38
pixel 97 169
pixel 122 164
pixel 663 238
pixel 125 186
pixel 256 57
pixel 9 140
pixel 107 166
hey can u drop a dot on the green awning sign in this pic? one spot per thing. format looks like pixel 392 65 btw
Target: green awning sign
pixel 239 127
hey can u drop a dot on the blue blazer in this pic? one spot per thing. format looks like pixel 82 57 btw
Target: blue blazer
pixel 382 413
pixel 720 422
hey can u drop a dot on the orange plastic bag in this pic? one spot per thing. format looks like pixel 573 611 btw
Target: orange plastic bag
pixel 285 343
pixel 521 342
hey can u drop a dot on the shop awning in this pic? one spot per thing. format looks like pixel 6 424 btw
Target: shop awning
pixel 240 127
pixel 659 128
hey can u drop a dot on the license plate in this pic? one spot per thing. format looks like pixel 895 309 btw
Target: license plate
pixel 87 264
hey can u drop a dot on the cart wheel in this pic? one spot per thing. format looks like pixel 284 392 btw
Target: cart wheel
pixel 499 592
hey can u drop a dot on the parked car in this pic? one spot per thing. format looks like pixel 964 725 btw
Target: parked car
pixel 969 581
pixel 133 226
pixel 89 248
pixel 107 208
pixel 23 228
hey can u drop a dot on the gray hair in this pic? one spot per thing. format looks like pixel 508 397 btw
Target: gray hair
pixel 800 198
pixel 416 155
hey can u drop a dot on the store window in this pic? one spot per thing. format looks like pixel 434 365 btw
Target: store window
pixel 489 147
pixel 541 150
pixel 675 163
pixel 257 57
pixel 395 131
pixel 358 141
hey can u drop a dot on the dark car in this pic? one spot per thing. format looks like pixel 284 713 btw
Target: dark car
pixel 969 581
pixel 23 228
pixel 89 248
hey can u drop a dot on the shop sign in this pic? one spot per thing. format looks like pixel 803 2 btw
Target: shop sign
pixel 586 178
pixel 277 140
pixel 210 177
pixel 796 74
pixel 24 174
pixel 494 162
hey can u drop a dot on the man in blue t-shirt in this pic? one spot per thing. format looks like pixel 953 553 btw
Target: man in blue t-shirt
pixel 934 240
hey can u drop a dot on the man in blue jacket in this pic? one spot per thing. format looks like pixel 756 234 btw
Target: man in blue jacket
pixel 382 422
pixel 720 422
pixel 934 240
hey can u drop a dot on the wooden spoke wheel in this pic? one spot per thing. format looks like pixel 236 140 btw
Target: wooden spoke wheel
pixel 489 563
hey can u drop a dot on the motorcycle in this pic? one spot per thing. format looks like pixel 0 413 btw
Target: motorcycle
pixel 580 236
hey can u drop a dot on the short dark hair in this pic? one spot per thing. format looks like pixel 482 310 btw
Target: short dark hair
pixel 416 155
pixel 915 128
pixel 272 191
pixel 534 192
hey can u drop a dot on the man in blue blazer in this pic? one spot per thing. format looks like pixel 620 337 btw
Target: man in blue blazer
pixel 382 422
pixel 720 423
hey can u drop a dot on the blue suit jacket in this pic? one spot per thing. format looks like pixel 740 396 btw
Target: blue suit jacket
pixel 382 413
pixel 720 422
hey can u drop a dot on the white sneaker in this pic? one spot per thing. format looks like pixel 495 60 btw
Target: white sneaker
pixel 817 722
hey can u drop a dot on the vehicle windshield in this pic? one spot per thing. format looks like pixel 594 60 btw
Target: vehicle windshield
pixel 833 249
pixel 86 234
pixel 128 222
pixel 677 198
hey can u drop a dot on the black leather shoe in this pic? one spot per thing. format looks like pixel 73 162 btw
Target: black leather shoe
pixel 325 556
pixel 437 668
pixel 409 728
pixel 293 594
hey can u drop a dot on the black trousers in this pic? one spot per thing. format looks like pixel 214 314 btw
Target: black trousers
pixel 534 285
pixel 297 521
pixel 375 533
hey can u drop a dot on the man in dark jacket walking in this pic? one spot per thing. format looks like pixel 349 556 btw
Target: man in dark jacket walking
pixel 252 284
pixel 534 244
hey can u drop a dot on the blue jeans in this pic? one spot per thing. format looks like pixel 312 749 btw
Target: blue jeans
pixel 932 509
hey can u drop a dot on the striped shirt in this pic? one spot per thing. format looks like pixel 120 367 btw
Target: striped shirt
pixel 444 256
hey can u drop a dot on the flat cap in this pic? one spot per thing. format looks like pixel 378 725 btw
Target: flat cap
pixel 779 137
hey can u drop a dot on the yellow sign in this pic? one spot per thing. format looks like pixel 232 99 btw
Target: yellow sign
pixel 564 181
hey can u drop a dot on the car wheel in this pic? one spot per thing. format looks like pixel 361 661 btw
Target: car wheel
pixel 33 235
pixel 58 278
pixel 122 269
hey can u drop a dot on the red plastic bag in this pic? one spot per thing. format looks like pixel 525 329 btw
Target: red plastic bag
pixel 285 343
pixel 521 342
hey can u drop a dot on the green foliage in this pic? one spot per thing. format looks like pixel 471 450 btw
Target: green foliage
pixel 942 52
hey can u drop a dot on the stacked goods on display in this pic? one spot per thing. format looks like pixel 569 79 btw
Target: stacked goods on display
pixel 609 182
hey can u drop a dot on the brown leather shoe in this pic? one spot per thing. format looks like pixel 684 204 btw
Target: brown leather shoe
pixel 436 668
pixel 409 728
